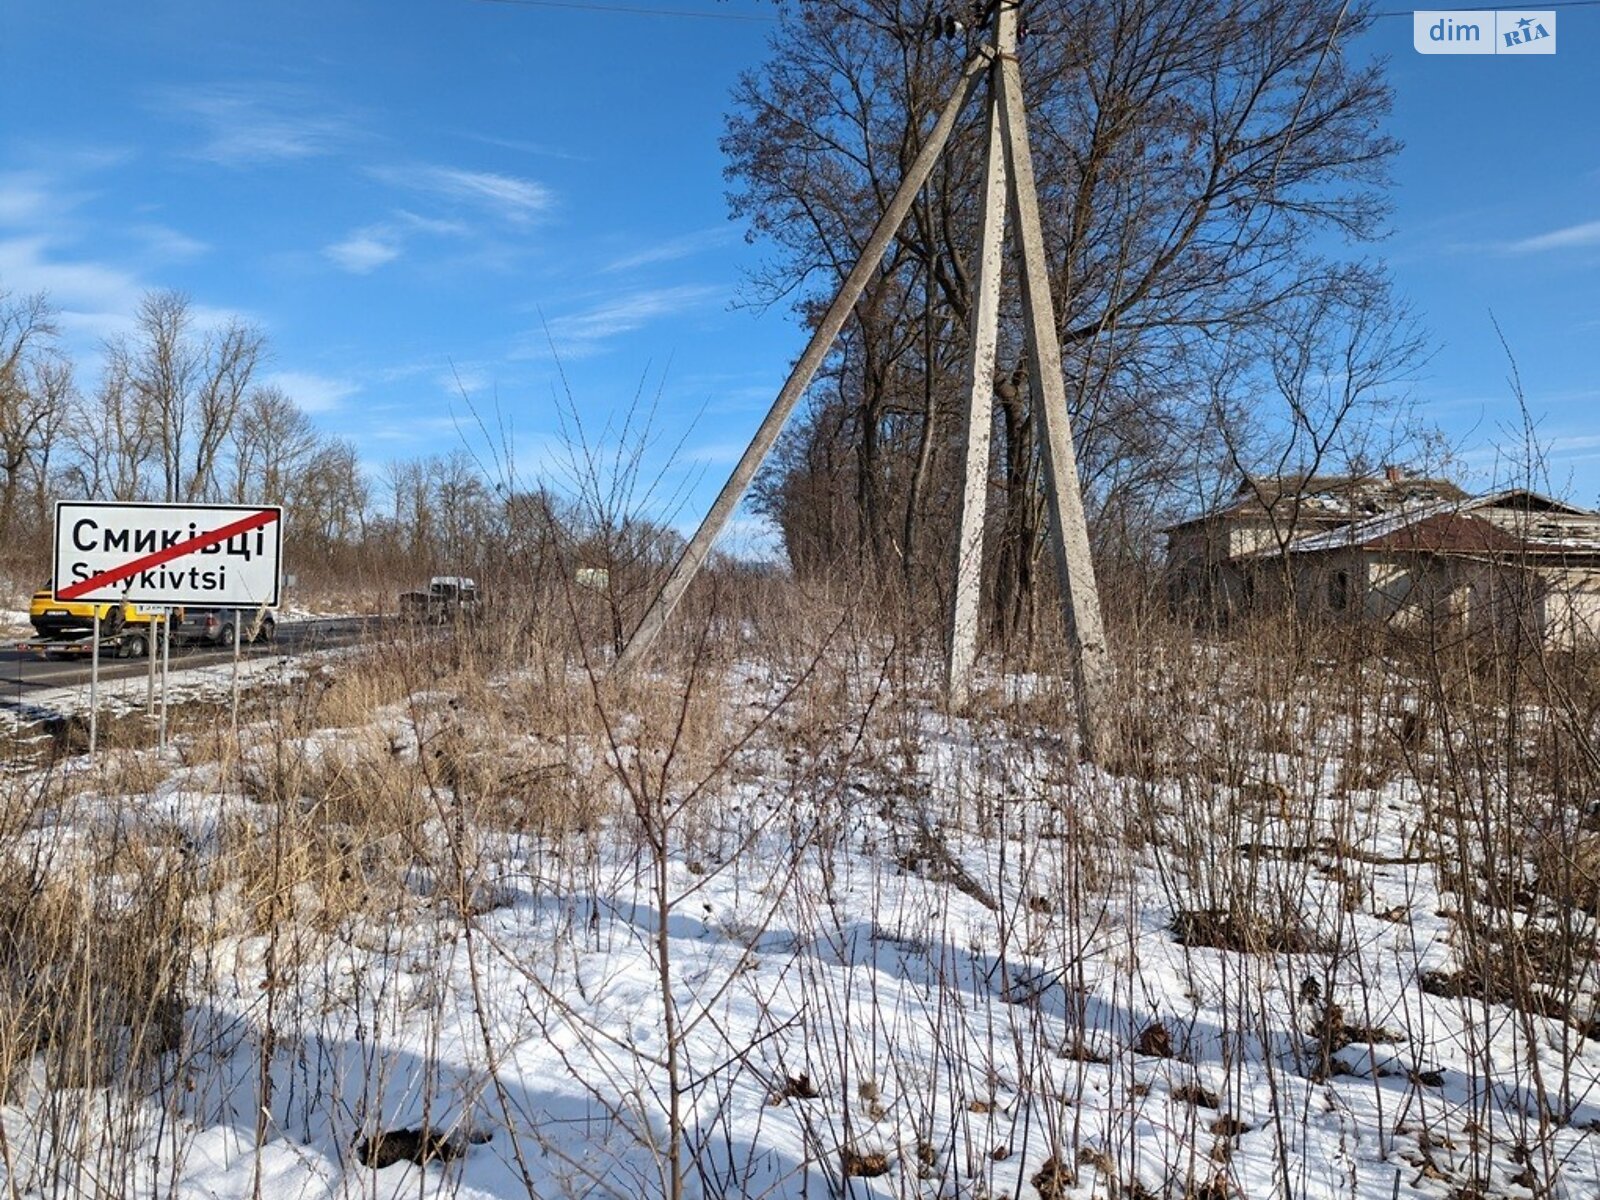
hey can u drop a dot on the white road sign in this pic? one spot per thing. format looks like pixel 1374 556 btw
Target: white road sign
pixel 220 554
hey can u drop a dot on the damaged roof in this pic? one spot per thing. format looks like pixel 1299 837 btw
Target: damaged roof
pixel 1442 530
pixel 1325 499
pixel 1450 527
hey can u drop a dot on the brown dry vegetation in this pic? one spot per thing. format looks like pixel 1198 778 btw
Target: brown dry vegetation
pixel 373 792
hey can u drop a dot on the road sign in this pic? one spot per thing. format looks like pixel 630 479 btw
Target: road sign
pixel 225 555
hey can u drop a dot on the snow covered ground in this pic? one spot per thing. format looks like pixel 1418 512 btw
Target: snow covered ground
pixel 842 944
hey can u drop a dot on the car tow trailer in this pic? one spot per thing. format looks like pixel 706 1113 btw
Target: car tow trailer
pixel 129 643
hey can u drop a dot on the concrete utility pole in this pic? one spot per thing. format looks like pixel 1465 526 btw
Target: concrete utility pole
pixel 699 547
pixel 1009 186
pixel 961 651
pixel 1069 531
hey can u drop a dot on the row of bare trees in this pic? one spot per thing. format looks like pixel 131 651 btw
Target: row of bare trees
pixel 1202 170
pixel 180 412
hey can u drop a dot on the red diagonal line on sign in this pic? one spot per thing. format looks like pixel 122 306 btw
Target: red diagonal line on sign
pixel 243 525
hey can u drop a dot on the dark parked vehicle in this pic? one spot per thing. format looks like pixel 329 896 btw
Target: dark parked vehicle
pixel 448 598
pixel 215 625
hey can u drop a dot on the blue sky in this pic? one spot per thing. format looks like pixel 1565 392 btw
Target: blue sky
pixel 1497 210
pixel 421 195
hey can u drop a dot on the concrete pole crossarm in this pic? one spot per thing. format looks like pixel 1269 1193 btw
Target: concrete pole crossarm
pixel 699 547
pixel 1068 527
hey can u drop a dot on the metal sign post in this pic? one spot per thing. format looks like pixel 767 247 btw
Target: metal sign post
pixel 94 688
pixel 166 664
pixel 236 638
pixel 150 682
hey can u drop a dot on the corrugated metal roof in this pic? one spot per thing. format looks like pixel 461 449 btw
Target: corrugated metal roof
pixel 1419 516
pixel 1447 533
pixel 1359 533
pixel 1446 527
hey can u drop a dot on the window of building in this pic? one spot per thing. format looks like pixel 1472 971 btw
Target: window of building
pixel 1339 591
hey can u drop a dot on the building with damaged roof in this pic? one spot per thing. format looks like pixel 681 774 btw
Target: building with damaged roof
pixel 1394 551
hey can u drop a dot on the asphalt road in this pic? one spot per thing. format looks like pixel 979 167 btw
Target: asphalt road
pixel 27 671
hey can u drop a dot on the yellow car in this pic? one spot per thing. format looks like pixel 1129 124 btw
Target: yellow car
pixel 60 618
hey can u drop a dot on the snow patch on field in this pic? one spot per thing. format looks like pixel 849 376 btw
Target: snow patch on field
pixel 933 958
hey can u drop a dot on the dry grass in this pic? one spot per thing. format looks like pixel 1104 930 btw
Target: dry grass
pixel 91 977
pixel 370 796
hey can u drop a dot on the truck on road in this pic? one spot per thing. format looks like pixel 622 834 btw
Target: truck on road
pixel 65 628
pixel 449 598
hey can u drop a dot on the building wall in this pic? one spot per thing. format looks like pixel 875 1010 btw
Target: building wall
pixel 1208 569
pixel 1569 608
pixel 1409 592
pixel 1251 537
pixel 1329 586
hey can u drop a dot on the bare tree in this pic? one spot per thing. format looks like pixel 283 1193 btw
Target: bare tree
pixel 330 499
pixel 35 381
pixel 273 442
pixel 229 360
pixel 411 513
pixel 186 390
pixel 176 417
pixel 55 386
pixel 113 448
pixel 1187 156
pixel 1334 365
pixel 443 516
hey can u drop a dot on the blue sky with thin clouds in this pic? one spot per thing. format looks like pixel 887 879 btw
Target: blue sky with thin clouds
pixel 420 197
pixel 1497 211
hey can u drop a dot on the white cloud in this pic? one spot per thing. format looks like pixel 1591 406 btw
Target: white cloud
pixel 247 124
pixel 463 379
pixel 86 329
pixel 408 428
pixel 379 244
pixel 206 318
pixel 91 297
pixel 40 207
pixel 1569 238
pixel 25 198
pixel 582 333
pixel 67 158
pixel 539 149
pixel 170 245
pixel 673 249
pixel 364 251
pixel 433 225
pixel 1573 442
pixel 509 197
pixel 93 300
pixel 312 392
